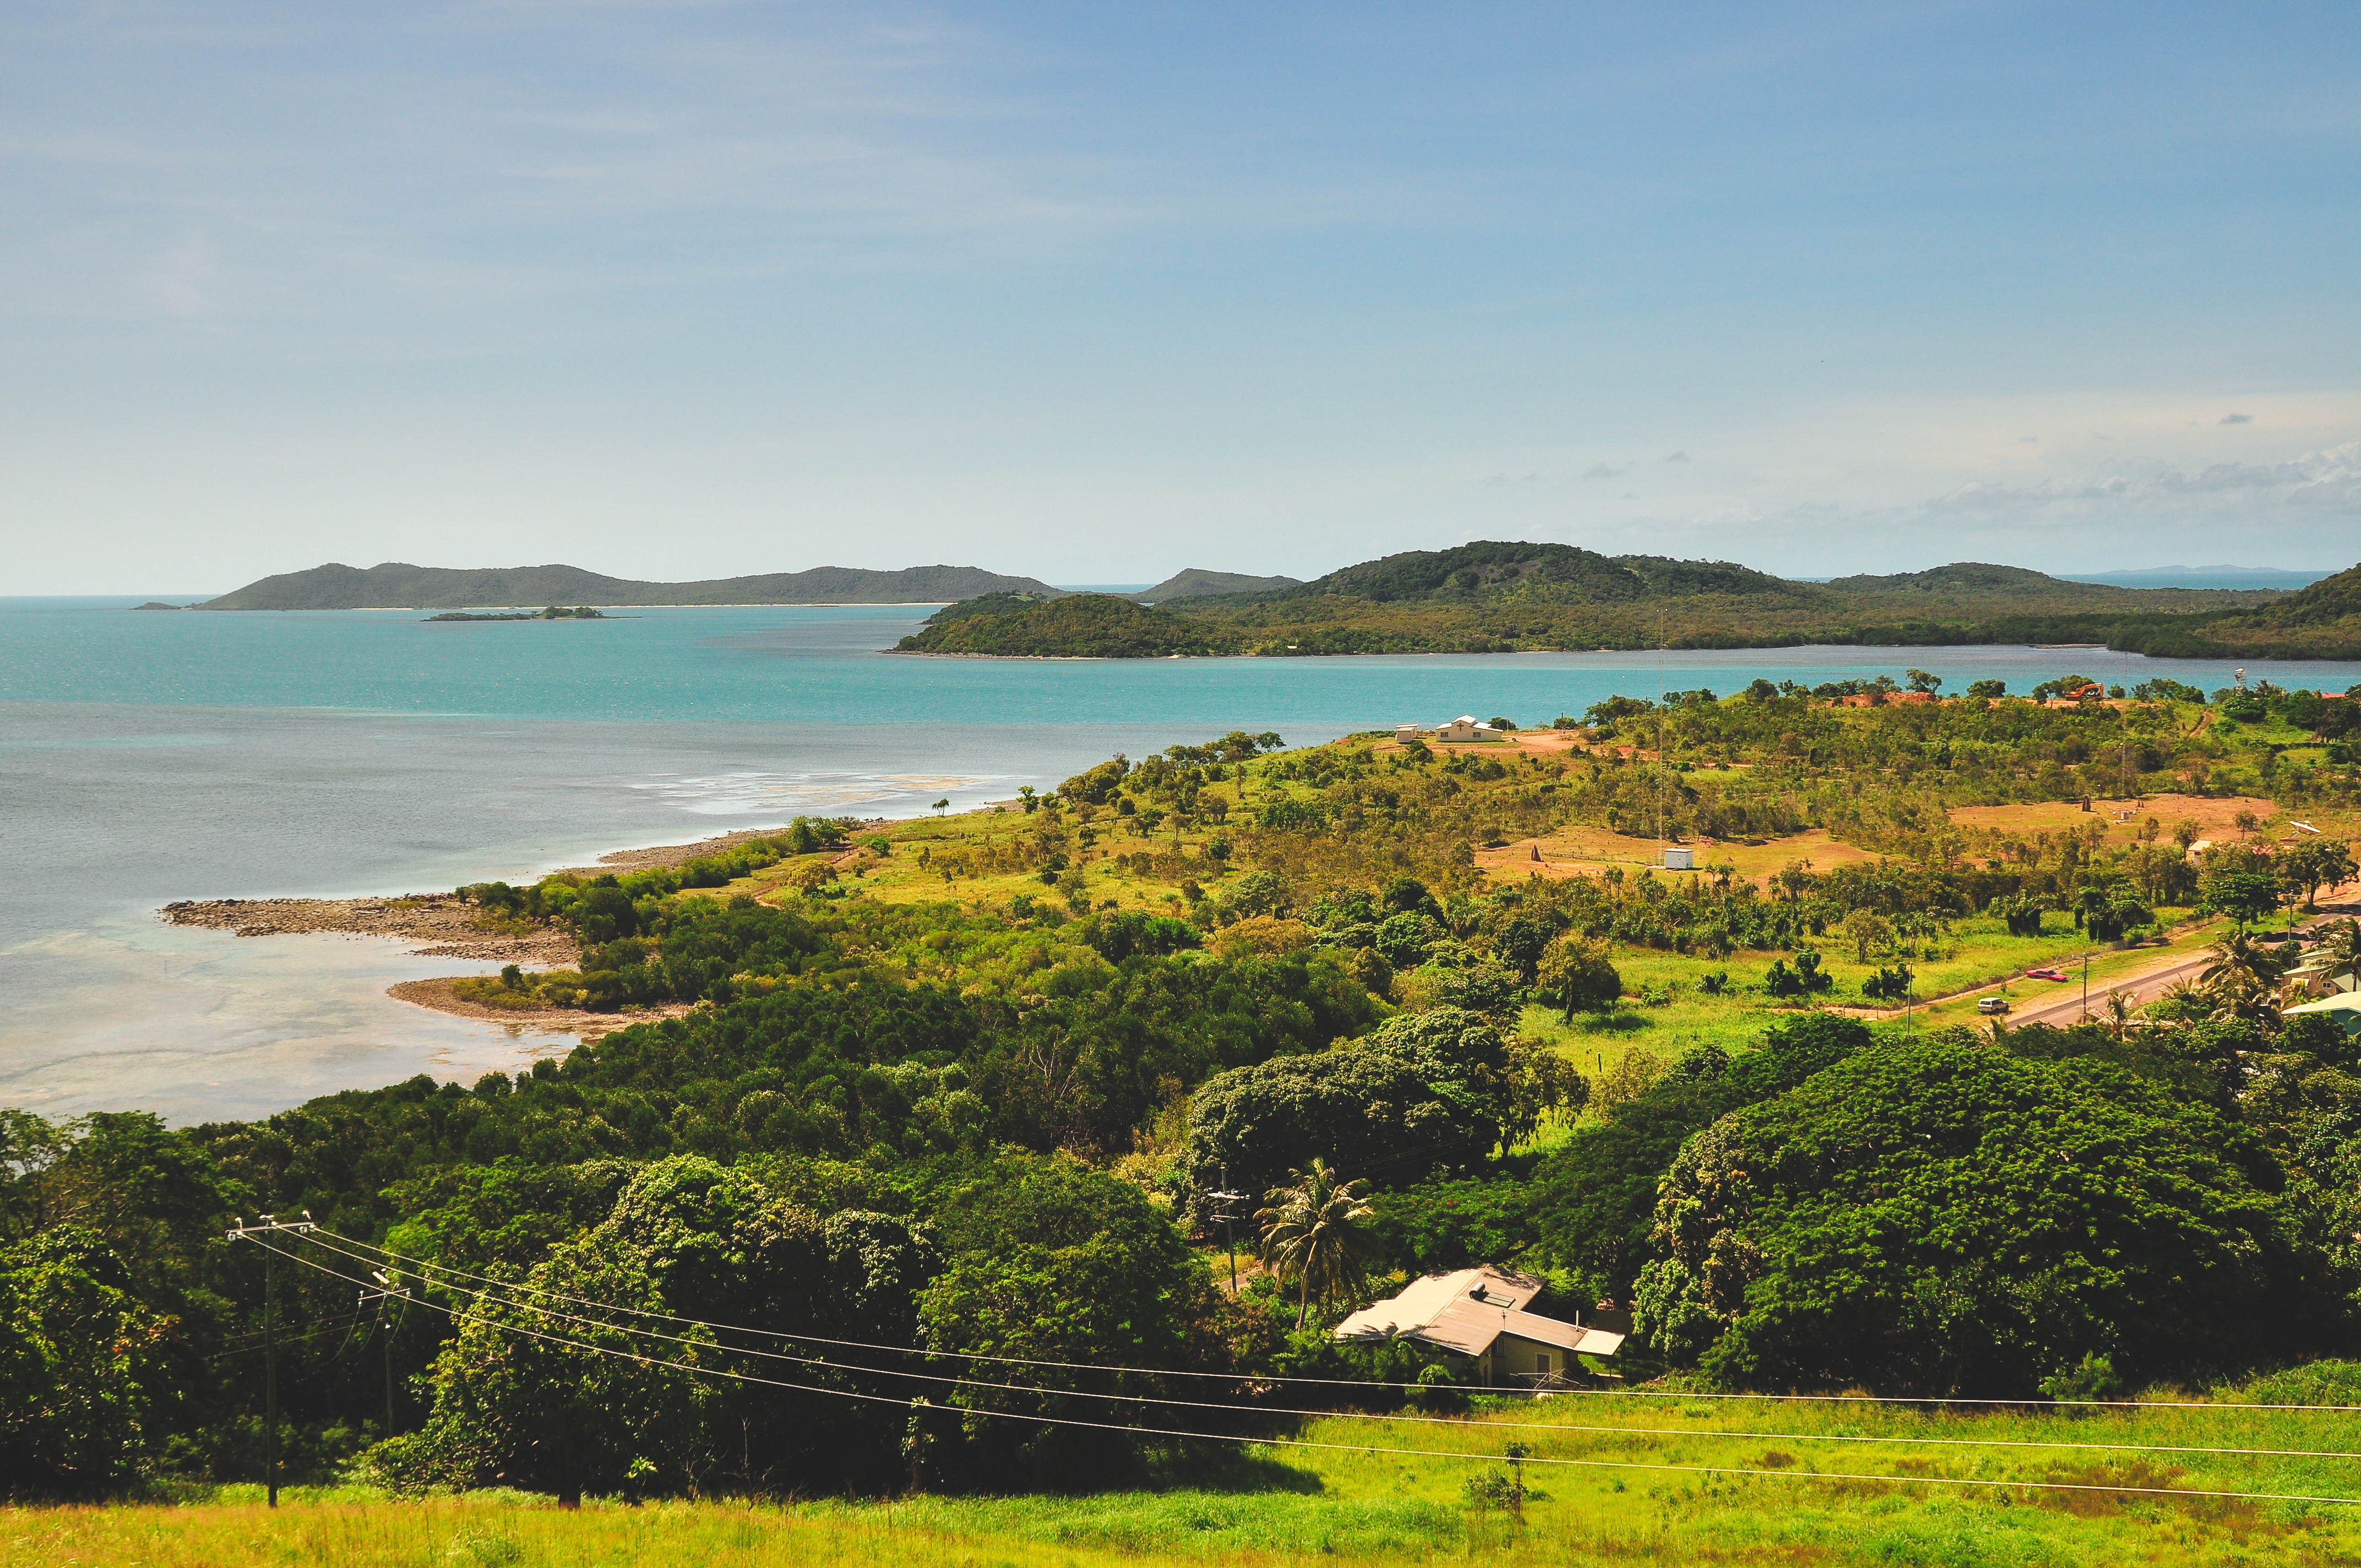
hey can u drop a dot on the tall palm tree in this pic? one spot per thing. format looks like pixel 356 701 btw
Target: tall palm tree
pixel 1317 1233
pixel 2121 1005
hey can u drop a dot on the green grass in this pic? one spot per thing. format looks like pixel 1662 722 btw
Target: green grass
pixel 1673 1480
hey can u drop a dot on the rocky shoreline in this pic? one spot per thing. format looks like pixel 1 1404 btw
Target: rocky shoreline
pixel 441 927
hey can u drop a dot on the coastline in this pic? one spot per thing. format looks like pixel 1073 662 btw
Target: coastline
pixel 437 925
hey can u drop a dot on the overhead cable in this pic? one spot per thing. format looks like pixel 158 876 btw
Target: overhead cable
pixel 696 1370
pixel 2218 1406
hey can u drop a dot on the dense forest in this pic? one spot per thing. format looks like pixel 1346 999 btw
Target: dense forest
pixel 1496 598
pixel 919 1191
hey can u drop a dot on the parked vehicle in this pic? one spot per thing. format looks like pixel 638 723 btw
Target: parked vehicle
pixel 2044 974
pixel 1988 1005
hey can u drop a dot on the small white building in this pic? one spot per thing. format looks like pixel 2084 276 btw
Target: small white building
pixel 1405 733
pixel 1480 1313
pixel 1680 859
pixel 1465 727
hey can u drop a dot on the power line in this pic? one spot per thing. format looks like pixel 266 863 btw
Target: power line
pixel 2211 1405
pixel 696 1370
pixel 957 1381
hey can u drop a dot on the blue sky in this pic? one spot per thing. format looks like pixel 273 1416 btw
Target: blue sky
pixel 1094 293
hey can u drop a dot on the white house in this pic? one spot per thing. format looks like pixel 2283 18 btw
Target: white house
pixel 1405 733
pixel 1465 727
pixel 1480 1313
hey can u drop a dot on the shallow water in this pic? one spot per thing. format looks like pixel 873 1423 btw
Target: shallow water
pixel 151 757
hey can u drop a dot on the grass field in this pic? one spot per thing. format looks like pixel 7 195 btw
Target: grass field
pixel 1669 1480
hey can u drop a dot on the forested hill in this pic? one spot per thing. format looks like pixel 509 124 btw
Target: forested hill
pixel 394 585
pixel 1080 626
pixel 2322 622
pixel 1492 596
pixel 1198 583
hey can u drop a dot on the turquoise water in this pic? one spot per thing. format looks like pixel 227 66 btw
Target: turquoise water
pixel 158 756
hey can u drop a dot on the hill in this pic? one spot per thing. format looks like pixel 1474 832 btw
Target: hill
pixel 395 585
pixel 2322 622
pixel 1495 596
pixel 1079 625
pixel 1198 583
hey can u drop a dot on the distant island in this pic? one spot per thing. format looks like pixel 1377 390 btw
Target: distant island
pixel 1506 598
pixel 554 612
pixel 1198 583
pixel 393 584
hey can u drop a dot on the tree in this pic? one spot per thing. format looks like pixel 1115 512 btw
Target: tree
pixel 2314 863
pixel 1920 681
pixel 2245 897
pixel 1943 1218
pixel 687 1242
pixel 1868 931
pixel 1794 879
pixel 2241 979
pixel 2341 945
pixel 1362 1108
pixel 1574 971
pixel 82 1364
pixel 1318 1234
pixel 2022 914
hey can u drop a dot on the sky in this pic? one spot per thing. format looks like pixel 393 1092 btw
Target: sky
pixel 1093 293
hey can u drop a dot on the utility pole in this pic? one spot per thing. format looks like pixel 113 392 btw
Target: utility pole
pixel 390 1288
pixel 2086 982
pixel 270 1224
pixel 1229 1219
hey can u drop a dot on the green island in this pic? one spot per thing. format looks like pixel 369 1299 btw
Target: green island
pixel 1495 598
pixel 554 612
pixel 907 1239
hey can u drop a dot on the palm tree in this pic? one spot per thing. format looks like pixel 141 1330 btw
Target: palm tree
pixel 2121 1005
pixel 2241 977
pixel 2340 943
pixel 1317 1233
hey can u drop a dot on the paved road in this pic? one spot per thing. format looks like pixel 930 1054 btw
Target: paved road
pixel 2048 1002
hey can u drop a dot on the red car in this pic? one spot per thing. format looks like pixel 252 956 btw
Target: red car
pixel 2043 974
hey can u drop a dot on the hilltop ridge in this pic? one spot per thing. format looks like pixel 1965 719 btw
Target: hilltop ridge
pixel 397 585
pixel 1501 596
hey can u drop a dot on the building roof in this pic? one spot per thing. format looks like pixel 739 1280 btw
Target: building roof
pixel 2343 1009
pixel 1467 1309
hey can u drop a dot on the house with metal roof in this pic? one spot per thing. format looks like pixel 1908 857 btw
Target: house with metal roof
pixel 1480 1313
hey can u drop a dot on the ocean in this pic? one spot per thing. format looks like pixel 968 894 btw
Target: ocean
pixel 149 757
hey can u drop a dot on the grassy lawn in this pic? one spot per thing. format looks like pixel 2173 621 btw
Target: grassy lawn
pixel 1668 1480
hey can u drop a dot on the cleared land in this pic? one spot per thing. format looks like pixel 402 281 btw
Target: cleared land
pixel 1612 1479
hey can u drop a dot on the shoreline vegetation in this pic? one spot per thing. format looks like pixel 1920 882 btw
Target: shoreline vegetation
pixel 554 612
pixel 960 1101
pixel 1491 598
